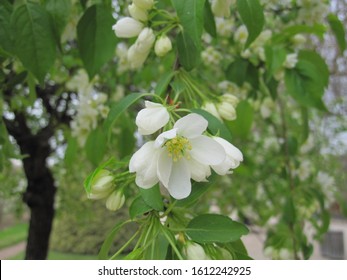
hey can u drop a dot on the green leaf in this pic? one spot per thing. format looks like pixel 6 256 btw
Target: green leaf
pixel 118 108
pixel 60 12
pixel 240 71
pixel 153 197
pixel 252 15
pixel 215 126
pixel 96 40
pixel 210 228
pixel 307 82
pixel 134 255
pixel 190 14
pixel 191 17
pixel 188 53
pixel 158 248
pixel 6 35
pixel 243 124
pixel 163 83
pixel 96 145
pixel 339 31
pixel 275 57
pixel 34 40
pixel 287 33
pixel 209 22
pixel 198 189
pixel 105 248
pixel 289 214
pixel 138 207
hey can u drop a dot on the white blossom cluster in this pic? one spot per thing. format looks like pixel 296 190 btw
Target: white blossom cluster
pixel 135 26
pixel 179 154
pixel 90 109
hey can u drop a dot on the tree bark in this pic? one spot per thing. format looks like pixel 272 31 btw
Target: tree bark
pixel 40 192
pixel 39 196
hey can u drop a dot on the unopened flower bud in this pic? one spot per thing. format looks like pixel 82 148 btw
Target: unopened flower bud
pixel 138 13
pixel 144 4
pixel 162 46
pixel 194 251
pixel 145 40
pixel 115 201
pixel 221 8
pixel 127 27
pixel 226 111
pixel 101 185
pixel 291 60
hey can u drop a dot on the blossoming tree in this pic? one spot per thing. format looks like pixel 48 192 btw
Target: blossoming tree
pixel 168 99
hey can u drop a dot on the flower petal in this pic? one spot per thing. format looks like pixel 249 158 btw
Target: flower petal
pixel 165 136
pixel 140 158
pixel 152 118
pixel 206 150
pixel 164 166
pixel 199 172
pixel 191 125
pixel 179 183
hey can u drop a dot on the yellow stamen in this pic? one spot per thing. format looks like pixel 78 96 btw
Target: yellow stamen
pixel 178 147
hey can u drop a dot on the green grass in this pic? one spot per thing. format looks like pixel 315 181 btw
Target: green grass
pixel 13 235
pixel 60 256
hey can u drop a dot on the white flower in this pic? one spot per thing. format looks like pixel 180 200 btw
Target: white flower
pixel 101 185
pixel 162 46
pixel 145 40
pixel 267 107
pixel 176 156
pixel 221 8
pixel 152 118
pixel 115 201
pixel 232 159
pixel 291 60
pixel 127 27
pixel 139 51
pixel 144 4
pixel 138 13
pixel 194 251
pixel 241 34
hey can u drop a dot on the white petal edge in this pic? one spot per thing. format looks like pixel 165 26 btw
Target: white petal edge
pixel 164 167
pixel 165 136
pixel 191 125
pixel 207 151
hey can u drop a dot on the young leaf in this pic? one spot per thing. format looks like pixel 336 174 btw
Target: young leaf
pixel 275 57
pixel 153 197
pixel 96 40
pixel 138 207
pixel 34 38
pixel 210 228
pixel 252 15
pixel 339 31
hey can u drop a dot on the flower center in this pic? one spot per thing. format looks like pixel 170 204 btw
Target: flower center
pixel 178 147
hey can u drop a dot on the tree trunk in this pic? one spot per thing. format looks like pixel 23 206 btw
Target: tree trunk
pixel 40 199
